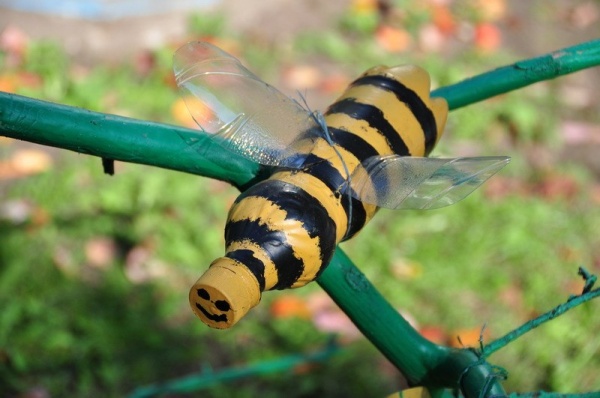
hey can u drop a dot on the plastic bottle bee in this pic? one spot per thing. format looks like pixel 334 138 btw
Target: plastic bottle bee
pixel 330 173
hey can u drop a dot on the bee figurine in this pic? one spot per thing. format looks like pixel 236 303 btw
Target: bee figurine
pixel 330 173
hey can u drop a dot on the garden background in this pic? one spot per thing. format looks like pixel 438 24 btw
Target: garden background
pixel 95 270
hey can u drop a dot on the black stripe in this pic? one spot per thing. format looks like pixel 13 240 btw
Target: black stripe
pixel 304 142
pixel 256 266
pixel 325 172
pixel 300 206
pixel 289 268
pixel 359 216
pixel 422 113
pixel 375 118
pixel 352 143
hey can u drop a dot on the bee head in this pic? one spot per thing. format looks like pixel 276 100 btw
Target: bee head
pixel 224 293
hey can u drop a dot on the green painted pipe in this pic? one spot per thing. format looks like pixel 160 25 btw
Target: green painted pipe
pixel 521 74
pixel 121 138
pixel 208 378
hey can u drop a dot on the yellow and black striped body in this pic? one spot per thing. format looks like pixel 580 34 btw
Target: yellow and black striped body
pixel 282 232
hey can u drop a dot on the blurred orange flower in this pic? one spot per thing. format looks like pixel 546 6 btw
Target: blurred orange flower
pixel 180 113
pixel 443 19
pixel 491 10
pixel 25 162
pixel 364 6
pixel 392 39
pixel 469 337
pixel 288 306
pixel 487 37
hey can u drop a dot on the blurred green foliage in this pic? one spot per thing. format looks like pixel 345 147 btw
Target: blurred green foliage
pixel 72 327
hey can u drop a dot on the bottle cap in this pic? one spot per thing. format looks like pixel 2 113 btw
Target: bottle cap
pixel 224 293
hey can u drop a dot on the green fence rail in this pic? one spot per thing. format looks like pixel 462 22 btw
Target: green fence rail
pixel 129 140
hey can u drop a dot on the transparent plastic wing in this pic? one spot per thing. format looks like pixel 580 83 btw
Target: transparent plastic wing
pixel 402 182
pixel 249 116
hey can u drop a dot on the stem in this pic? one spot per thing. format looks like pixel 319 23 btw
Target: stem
pixel 543 394
pixel 120 138
pixel 534 323
pixel 421 362
pixel 207 378
pixel 521 74
pixel 377 319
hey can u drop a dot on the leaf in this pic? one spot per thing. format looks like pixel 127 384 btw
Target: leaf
pixel 180 113
pixel 7 83
pixel 487 37
pixel 405 269
pixel 302 77
pixel 435 334
pixel 491 10
pixel 392 39
pixel 288 306
pixel 25 162
pixel 100 251
pixel 335 83
pixel 328 317
pixel 469 337
pixel 557 187
pixel 443 19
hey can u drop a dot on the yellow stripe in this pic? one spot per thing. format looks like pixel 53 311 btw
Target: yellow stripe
pixel 370 212
pixel 264 211
pixel 317 187
pixel 361 129
pixel 270 275
pixel 323 150
pixel 318 190
pixel 395 112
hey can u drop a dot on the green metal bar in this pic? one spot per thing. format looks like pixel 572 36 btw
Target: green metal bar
pixel 421 362
pixel 208 378
pixel 377 319
pixel 521 74
pixel 544 394
pixel 120 138
pixel 537 321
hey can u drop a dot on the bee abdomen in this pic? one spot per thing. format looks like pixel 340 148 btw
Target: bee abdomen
pixel 375 119
pixel 354 209
pixel 274 243
pixel 413 102
pixel 360 148
pixel 290 226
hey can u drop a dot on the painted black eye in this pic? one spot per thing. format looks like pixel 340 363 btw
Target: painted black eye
pixel 222 305
pixel 203 294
